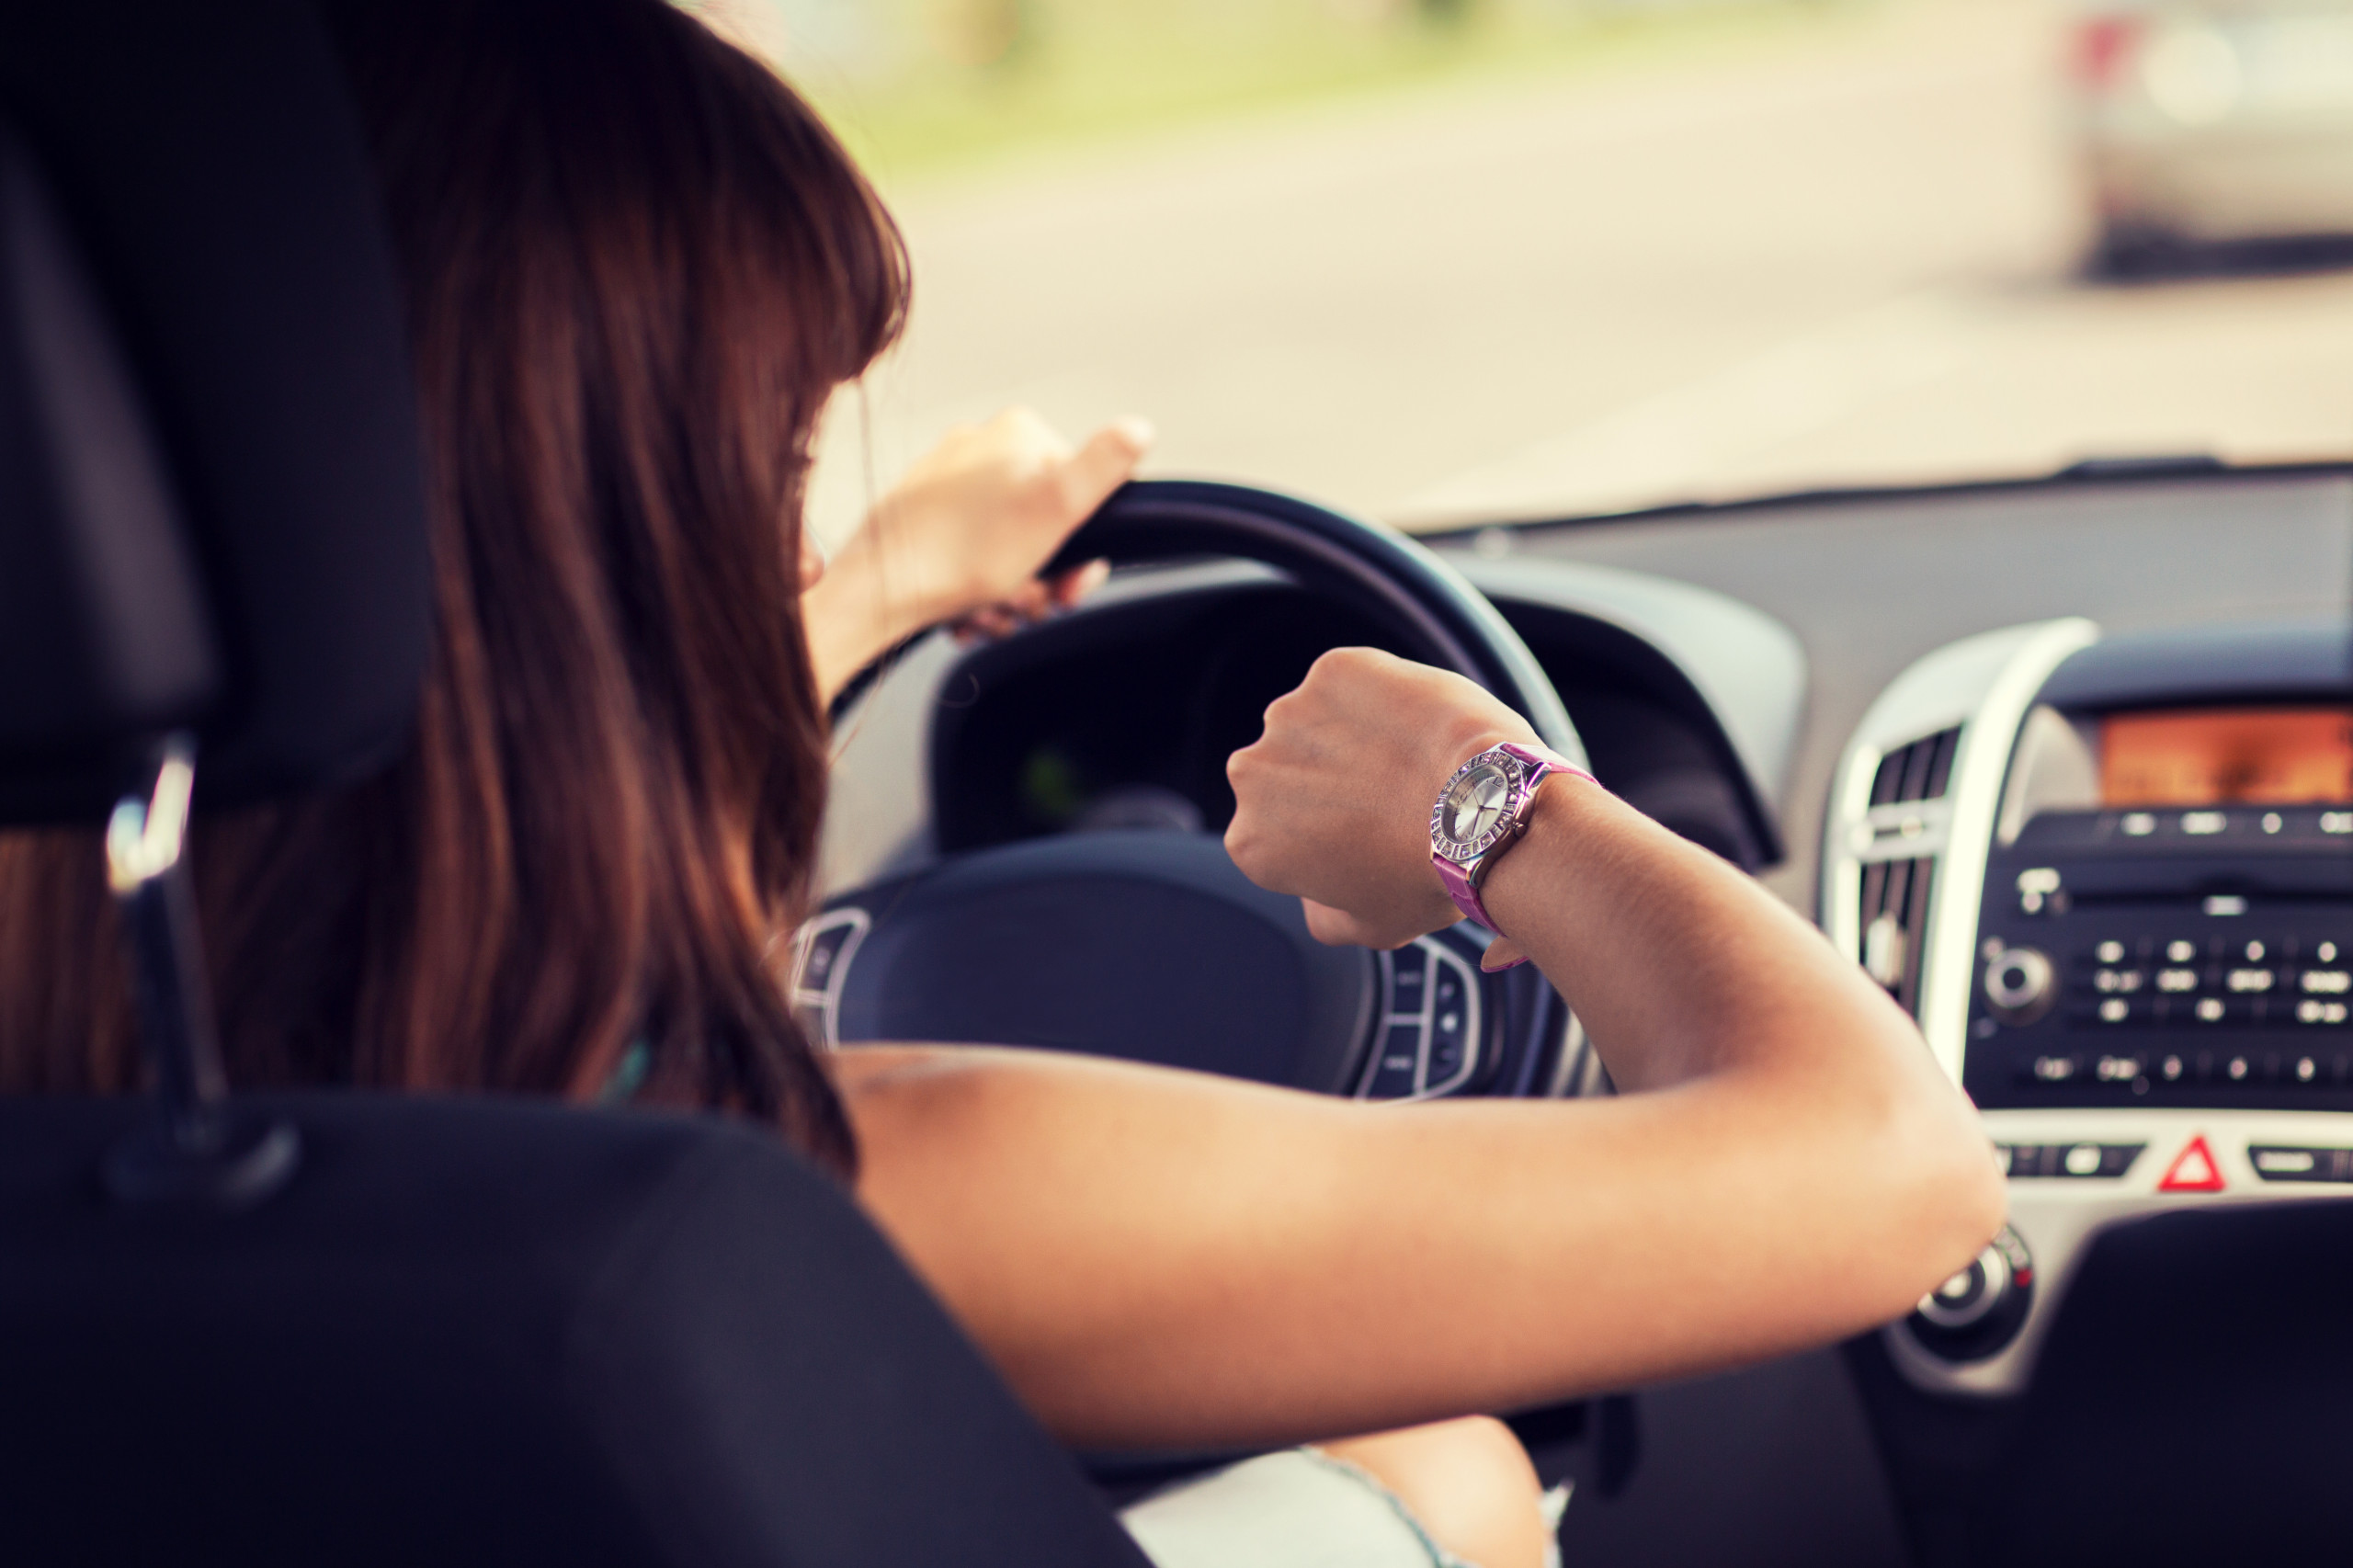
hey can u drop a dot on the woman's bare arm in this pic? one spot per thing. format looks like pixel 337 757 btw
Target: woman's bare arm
pixel 1160 1257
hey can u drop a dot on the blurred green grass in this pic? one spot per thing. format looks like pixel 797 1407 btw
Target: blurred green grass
pixel 928 87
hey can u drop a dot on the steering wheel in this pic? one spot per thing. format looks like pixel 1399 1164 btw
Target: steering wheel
pixel 1150 945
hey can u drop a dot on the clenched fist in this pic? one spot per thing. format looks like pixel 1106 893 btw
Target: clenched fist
pixel 1333 803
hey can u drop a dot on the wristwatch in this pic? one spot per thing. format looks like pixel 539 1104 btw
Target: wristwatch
pixel 1480 814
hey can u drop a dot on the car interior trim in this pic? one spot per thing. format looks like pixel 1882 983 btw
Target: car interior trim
pixel 1984 685
pixel 1950 966
pixel 1747 667
pixel 2060 1215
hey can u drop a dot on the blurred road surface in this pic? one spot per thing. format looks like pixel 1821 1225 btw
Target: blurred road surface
pixel 1836 259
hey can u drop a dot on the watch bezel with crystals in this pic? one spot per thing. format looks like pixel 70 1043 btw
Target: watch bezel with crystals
pixel 1522 772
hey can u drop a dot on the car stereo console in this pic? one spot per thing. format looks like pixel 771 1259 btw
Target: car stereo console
pixel 2112 878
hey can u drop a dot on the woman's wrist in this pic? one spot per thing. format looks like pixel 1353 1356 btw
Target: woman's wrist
pixel 1523 882
pixel 851 618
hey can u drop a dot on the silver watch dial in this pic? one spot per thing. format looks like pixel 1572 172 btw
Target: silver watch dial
pixel 1475 805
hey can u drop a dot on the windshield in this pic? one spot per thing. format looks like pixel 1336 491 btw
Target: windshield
pixel 1440 261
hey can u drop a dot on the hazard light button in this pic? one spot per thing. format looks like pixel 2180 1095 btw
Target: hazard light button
pixel 2194 1169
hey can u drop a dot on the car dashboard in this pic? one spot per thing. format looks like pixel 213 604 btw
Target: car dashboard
pixel 2066 766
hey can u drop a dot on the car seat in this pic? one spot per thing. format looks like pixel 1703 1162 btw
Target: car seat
pixel 341 1327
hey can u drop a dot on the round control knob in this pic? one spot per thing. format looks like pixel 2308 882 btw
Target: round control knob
pixel 1981 1309
pixel 1963 1301
pixel 2019 985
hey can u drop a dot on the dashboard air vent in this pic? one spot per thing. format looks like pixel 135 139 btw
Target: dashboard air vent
pixel 1917 772
pixel 1894 909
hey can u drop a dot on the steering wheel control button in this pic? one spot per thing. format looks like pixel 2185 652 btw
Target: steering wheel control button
pixel 1430 1041
pixel 1446 1057
pixel 2301 1163
pixel 2194 1169
pixel 1448 999
pixel 1453 1023
pixel 822 955
pixel 1398 1068
pixel 2078 1162
pixel 1406 976
pixel 2020 985
pixel 1981 1309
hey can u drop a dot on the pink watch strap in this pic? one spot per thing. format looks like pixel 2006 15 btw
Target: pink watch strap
pixel 1462 882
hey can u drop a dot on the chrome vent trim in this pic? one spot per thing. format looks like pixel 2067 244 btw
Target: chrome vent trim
pixel 1911 817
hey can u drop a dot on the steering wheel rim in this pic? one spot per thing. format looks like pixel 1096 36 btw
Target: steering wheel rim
pixel 1396 577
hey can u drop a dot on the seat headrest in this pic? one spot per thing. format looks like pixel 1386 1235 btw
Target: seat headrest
pixel 212 494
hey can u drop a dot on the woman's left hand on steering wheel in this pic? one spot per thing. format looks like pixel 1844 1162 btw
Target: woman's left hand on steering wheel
pixel 961 539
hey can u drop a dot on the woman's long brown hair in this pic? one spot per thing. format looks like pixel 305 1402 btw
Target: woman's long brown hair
pixel 637 264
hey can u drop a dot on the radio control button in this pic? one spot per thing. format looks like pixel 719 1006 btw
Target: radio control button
pixel 2325 981
pixel 2287 1162
pixel 2310 1011
pixel 2324 952
pixel 2181 950
pixel 2173 982
pixel 2020 985
pixel 2252 1067
pixel 2039 887
pixel 2054 1070
pixel 2203 825
pixel 2068 1162
pixel 2109 952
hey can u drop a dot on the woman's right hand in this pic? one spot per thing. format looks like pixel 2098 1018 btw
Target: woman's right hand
pixel 962 538
pixel 1333 801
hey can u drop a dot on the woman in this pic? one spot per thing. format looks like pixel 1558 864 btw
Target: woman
pixel 637 268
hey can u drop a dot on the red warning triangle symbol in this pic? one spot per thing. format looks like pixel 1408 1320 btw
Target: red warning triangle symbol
pixel 2193 1170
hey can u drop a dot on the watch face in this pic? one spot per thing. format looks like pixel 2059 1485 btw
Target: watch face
pixel 1474 806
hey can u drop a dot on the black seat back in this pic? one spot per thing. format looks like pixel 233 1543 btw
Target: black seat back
pixel 500 1333
pixel 457 1332
pixel 212 175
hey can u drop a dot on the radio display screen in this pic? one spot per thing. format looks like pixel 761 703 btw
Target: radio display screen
pixel 2227 756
